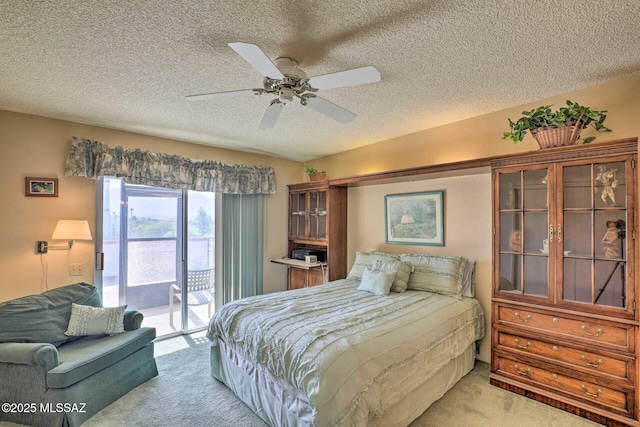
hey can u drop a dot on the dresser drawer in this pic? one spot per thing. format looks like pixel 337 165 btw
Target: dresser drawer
pixel 619 401
pixel 588 331
pixel 586 361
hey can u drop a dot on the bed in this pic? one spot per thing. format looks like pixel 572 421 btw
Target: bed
pixel 338 354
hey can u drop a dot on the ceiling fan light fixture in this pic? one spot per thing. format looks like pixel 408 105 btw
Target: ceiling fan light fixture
pixel 285 95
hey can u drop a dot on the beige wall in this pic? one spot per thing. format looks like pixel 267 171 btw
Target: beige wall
pixel 480 137
pixel 467 219
pixel 468 198
pixel 37 146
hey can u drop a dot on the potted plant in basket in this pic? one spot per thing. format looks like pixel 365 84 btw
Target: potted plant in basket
pixel 556 128
pixel 315 175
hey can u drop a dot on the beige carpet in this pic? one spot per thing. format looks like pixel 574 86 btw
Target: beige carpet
pixel 473 402
pixel 184 394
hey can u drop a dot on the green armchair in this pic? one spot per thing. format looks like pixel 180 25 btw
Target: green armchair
pixel 50 379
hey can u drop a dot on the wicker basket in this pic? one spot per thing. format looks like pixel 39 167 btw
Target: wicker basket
pixel 557 136
pixel 317 176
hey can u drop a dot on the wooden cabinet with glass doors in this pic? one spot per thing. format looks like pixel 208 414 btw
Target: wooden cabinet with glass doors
pixel 318 221
pixel 564 319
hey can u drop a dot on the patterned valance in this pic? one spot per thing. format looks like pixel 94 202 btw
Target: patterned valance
pixel 93 159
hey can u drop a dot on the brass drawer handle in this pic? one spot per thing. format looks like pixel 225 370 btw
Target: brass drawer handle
pixel 524 347
pixel 593 365
pixel 596 394
pixel 523 373
pixel 599 332
pixel 525 320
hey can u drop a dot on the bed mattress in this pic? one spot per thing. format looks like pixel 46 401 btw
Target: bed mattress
pixel 332 355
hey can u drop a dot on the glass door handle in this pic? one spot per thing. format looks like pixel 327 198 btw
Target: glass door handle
pixel 559 233
pixel 550 233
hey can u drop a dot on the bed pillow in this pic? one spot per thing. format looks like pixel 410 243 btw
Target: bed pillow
pixel 366 259
pixel 401 269
pixel 439 274
pixel 86 320
pixel 377 282
pixel 469 279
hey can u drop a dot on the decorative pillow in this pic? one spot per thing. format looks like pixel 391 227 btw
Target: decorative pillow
pixel 86 320
pixel 400 268
pixel 438 274
pixel 366 259
pixel 377 282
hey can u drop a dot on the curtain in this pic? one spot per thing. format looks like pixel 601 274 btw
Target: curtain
pixel 93 159
pixel 242 246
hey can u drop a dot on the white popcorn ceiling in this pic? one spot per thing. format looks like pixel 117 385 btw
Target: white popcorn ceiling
pixel 128 64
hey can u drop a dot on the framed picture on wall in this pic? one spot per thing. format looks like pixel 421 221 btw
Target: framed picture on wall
pixel 415 218
pixel 41 187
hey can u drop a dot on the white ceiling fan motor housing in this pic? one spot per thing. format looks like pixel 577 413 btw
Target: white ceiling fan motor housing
pixel 289 67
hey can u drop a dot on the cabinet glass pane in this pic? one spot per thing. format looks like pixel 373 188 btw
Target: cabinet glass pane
pixel 298 214
pixel 610 283
pixel 577 280
pixel 318 214
pixel 535 232
pixel 536 274
pixel 511 273
pixel 510 232
pixel 510 191
pixel 610 185
pixel 577 187
pixel 594 235
pixel 577 235
pixel 535 189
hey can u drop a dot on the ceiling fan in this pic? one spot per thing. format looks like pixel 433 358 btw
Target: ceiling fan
pixel 284 79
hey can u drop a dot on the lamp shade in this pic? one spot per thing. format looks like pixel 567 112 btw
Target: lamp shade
pixel 70 229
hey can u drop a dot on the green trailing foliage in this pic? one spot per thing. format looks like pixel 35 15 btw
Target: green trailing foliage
pixel 544 117
pixel 313 170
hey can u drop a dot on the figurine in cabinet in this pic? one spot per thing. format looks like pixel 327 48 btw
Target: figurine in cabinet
pixel 609 182
pixel 515 240
pixel 612 239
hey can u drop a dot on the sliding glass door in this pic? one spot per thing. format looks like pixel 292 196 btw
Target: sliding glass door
pixel 158 247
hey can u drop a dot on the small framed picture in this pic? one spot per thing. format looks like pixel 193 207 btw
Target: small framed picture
pixel 41 187
pixel 415 219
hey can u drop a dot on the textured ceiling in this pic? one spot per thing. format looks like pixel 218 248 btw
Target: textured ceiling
pixel 128 64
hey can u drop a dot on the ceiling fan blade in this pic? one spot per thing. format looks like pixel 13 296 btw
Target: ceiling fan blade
pixel 357 76
pixel 257 58
pixel 328 108
pixel 271 115
pixel 228 94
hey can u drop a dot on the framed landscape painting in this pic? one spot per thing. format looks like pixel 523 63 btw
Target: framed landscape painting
pixel 415 218
pixel 41 187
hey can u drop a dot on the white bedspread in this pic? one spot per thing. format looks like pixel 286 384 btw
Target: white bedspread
pixel 352 354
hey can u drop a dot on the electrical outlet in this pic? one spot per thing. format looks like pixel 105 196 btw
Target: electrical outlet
pixel 76 269
pixel 42 247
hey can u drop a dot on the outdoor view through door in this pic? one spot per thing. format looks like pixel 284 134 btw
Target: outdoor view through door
pixel 158 247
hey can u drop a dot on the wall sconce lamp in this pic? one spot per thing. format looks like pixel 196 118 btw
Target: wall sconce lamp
pixel 66 229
